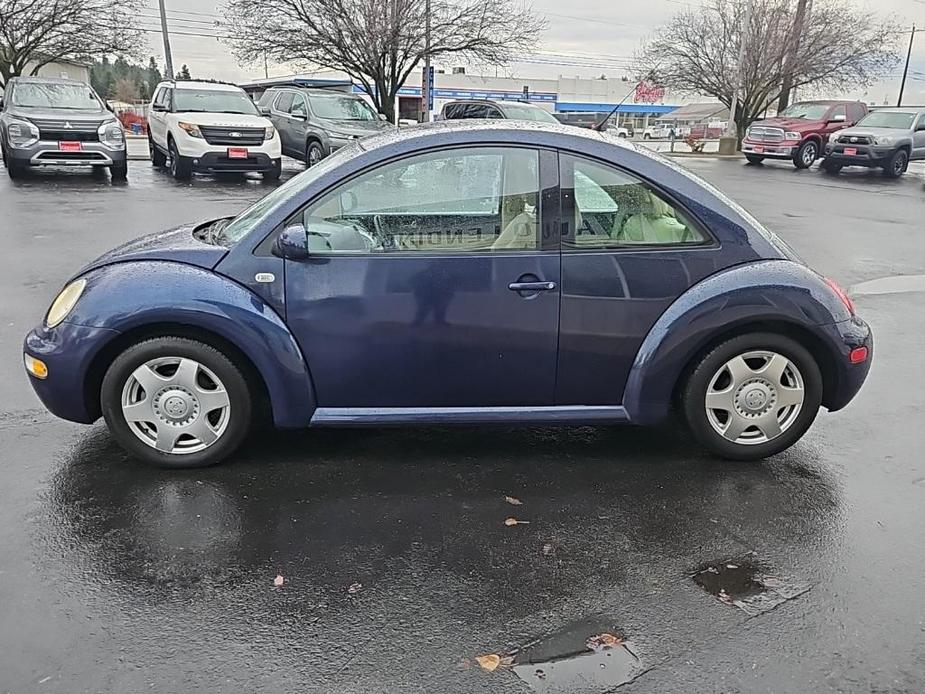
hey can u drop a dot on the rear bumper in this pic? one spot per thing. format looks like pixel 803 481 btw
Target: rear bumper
pixel 68 351
pixel 866 155
pixel 49 153
pixel 847 378
pixel 777 150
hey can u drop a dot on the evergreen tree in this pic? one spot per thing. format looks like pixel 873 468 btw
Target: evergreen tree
pixel 184 73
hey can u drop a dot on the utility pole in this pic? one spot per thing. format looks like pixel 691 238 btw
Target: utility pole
pixel 732 130
pixel 266 71
pixel 902 85
pixel 425 87
pixel 799 21
pixel 167 57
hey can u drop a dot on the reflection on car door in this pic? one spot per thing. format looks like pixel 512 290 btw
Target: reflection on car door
pixel 433 283
pixel 279 114
pixel 627 254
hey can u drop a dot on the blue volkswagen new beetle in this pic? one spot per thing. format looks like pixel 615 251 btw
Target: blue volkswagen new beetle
pixel 463 273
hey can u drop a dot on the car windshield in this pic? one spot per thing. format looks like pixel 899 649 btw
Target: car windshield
pixel 55 95
pixel 901 120
pixel 527 112
pixel 213 101
pixel 807 111
pixel 341 108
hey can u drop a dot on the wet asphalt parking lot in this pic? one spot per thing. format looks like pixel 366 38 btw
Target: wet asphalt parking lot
pixel 804 573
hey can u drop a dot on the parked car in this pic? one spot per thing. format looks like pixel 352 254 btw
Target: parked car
pixel 57 122
pixel 483 108
pixel 662 131
pixel 212 128
pixel 313 123
pixel 436 275
pixel 800 131
pixel 888 138
pixel 592 119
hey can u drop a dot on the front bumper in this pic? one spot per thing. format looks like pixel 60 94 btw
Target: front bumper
pixel 846 379
pixel 777 150
pixel 865 155
pixel 49 153
pixel 68 351
pixel 218 162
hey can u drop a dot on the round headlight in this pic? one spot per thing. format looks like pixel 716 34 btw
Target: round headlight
pixel 271 131
pixel 64 302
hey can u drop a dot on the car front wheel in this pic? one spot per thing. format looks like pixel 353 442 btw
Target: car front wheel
pixel 897 164
pixel 806 154
pixel 180 167
pixel 176 402
pixel 753 396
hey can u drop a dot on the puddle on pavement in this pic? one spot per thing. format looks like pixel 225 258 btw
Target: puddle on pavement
pixel 568 662
pixel 890 285
pixel 747 585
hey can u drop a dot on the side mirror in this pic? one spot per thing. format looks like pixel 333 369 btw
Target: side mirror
pixel 920 127
pixel 292 243
pixel 264 110
pixel 382 116
pixel 158 107
pixel 299 115
pixel 840 118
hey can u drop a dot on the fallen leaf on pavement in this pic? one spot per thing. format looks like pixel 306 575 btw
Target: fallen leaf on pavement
pixel 278 581
pixel 354 588
pixel 602 641
pixel 513 501
pixel 548 549
pixel 514 521
pixel 489 662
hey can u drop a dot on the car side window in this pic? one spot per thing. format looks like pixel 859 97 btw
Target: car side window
pixel 463 200
pixel 298 105
pixel 160 98
pixel 840 110
pixel 452 111
pixel 855 113
pixel 284 102
pixel 492 112
pixel 610 208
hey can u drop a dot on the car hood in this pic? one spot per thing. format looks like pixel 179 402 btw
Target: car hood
pixel 178 245
pixel 60 113
pixel 792 124
pixel 357 127
pixel 228 120
pixel 873 132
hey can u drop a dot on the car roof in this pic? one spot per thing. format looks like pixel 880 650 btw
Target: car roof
pixel 500 103
pixel 196 84
pixel 47 80
pixel 312 91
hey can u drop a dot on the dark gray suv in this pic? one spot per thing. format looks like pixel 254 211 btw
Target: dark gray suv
pixel 312 123
pixel 54 122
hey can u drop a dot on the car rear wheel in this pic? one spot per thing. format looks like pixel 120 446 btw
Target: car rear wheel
pixel 176 402
pixel 754 158
pixel 897 164
pixel 180 167
pixel 806 154
pixel 753 396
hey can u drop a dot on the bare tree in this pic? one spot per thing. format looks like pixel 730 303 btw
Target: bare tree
pixel 378 42
pixel 34 33
pixel 841 47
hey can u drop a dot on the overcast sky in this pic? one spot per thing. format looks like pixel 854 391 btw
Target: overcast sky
pixel 585 37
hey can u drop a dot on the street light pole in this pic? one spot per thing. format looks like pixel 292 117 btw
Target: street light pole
pixel 902 85
pixel 167 57
pixel 732 130
pixel 425 91
pixel 799 21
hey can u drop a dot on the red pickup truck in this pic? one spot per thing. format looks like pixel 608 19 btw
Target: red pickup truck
pixel 800 131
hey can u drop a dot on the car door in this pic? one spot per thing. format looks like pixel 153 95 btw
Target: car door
pixel 628 251
pixel 831 124
pixel 432 282
pixel 298 122
pixel 157 116
pixel 918 138
pixel 279 116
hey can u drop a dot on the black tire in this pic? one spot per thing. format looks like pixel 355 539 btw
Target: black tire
pixel 158 158
pixel 119 171
pixel 313 153
pixel 806 155
pixel 240 413
pixel 695 390
pixel 274 173
pixel 180 167
pixel 754 158
pixel 897 164
pixel 14 170
pixel 831 167
pixel 647 136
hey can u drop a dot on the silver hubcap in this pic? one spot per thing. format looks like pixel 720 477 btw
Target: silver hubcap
pixel 809 154
pixel 754 397
pixel 175 405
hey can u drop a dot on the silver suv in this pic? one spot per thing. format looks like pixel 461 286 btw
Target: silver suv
pixel 888 138
pixel 46 121
pixel 312 123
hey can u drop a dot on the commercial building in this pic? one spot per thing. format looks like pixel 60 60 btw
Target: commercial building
pixel 561 95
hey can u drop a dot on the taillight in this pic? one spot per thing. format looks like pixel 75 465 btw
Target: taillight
pixel 842 294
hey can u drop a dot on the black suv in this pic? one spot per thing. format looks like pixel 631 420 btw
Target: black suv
pixel 54 122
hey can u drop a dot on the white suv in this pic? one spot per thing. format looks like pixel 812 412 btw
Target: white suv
pixel 210 127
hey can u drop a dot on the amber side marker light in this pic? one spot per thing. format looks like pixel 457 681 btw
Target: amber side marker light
pixel 36 367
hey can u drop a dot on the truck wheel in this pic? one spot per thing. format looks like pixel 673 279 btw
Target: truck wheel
pixel 180 167
pixel 647 136
pixel 806 155
pixel 896 165
pixel 119 171
pixel 313 153
pixel 831 167
pixel 158 158
pixel 754 158
pixel 274 173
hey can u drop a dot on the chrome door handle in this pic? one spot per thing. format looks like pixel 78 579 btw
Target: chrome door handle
pixel 531 286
